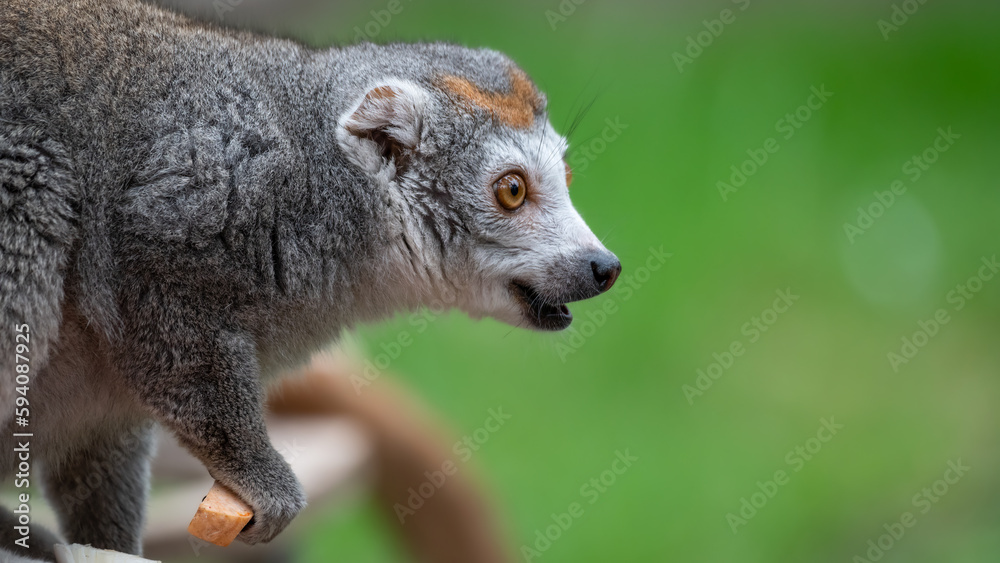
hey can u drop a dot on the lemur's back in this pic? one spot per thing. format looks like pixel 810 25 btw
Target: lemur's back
pixel 63 56
pixel 128 90
pixel 96 74
pixel 80 76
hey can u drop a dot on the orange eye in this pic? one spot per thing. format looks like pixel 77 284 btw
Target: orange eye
pixel 511 190
pixel 569 174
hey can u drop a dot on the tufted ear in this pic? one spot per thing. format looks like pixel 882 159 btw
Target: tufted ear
pixel 385 124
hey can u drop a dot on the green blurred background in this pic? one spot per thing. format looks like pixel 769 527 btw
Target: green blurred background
pixel 576 398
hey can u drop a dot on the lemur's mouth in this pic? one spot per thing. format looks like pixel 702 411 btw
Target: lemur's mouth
pixel 541 314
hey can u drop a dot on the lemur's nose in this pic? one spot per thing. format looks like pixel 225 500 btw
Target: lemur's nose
pixel 606 268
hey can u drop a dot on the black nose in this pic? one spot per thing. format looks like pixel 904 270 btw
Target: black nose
pixel 606 269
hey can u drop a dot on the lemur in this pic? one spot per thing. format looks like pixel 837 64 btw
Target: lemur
pixel 187 210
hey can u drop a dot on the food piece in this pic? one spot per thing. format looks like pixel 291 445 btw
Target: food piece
pixel 221 516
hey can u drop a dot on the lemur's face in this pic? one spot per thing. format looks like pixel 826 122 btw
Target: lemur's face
pixel 532 250
pixel 483 181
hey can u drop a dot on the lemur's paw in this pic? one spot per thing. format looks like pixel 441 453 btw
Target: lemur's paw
pixel 276 498
pixel 269 522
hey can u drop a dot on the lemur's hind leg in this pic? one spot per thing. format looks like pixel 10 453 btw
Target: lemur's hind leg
pixel 40 540
pixel 38 214
pixel 99 489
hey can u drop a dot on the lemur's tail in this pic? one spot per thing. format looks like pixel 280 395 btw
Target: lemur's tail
pixel 38 225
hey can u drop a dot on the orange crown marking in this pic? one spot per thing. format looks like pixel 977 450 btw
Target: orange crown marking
pixel 516 108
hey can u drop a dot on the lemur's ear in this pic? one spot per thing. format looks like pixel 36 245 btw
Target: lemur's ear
pixel 385 124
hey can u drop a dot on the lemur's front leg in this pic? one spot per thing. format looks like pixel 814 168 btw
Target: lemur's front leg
pixel 201 382
pixel 99 488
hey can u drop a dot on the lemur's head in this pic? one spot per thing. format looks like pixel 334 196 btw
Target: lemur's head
pixel 480 186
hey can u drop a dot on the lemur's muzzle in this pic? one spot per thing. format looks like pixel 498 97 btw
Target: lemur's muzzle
pixel 544 304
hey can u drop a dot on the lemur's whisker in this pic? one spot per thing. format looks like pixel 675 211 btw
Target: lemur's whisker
pixel 555 157
pixel 538 149
pixel 607 234
pixel 578 120
pixel 577 102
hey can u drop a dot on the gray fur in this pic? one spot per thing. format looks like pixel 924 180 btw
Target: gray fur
pixel 182 215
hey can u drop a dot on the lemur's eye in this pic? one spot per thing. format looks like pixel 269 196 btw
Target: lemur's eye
pixel 511 190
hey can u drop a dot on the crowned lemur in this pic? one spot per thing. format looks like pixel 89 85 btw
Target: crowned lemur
pixel 187 210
